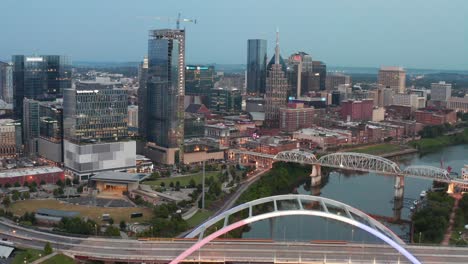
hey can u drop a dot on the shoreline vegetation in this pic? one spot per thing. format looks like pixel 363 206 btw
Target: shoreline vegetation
pixel 426 145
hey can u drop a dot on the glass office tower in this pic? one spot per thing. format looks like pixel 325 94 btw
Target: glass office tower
pixel 256 66
pixel 39 78
pixel 166 88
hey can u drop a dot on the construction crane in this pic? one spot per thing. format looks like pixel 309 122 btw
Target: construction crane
pixel 178 20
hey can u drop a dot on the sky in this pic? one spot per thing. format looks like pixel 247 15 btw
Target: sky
pixel 428 34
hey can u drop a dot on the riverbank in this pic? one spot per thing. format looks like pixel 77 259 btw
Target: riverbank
pixel 427 145
pixel 384 150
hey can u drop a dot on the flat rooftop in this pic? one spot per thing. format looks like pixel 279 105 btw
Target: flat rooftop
pixel 29 171
pixel 115 176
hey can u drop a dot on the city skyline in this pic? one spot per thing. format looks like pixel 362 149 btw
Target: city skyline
pixel 358 34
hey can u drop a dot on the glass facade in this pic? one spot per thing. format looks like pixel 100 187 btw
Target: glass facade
pixel 166 88
pixel 226 100
pixel 6 82
pixel 39 78
pixel 256 66
pixel 199 80
pixel 93 115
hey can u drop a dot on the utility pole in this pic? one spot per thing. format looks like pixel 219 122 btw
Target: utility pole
pixel 203 187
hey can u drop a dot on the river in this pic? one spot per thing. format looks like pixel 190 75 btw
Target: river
pixel 371 193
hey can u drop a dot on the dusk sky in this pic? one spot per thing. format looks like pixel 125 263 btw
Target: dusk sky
pixel 367 33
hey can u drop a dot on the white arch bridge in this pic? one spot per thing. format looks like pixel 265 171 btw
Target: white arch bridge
pixel 353 161
pixel 286 205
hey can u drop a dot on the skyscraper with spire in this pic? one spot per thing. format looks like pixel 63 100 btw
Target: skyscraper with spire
pixel 276 88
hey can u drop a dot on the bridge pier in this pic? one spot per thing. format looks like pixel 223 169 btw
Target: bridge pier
pixel 398 196
pixel 316 176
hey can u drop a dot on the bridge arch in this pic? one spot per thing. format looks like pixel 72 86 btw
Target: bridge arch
pixel 296 156
pixel 326 208
pixel 428 172
pixel 360 162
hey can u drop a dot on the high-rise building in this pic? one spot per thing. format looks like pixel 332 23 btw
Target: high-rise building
pixel 95 130
pixel 256 66
pixel 300 74
pixel 199 80
pixel 132 116
pixel 332 80
pixel 441 91
pixel 226 100
pixel 30 125
pixel 319 69
pixel 276 88
pixel 352 110
pixel 393 77
pixel 165 93
pixel 413 100
pixel 143 98
pixel 39 78
pixel 8 141
pixel 6 82
pixel 50 141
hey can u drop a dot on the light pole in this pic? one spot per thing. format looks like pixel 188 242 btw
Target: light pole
pixel 352 234
pixel 420 233
pixel 203 187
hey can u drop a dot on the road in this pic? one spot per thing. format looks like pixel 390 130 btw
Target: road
pixel 134 251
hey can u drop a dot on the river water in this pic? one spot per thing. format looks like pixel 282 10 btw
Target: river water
pixel 371 193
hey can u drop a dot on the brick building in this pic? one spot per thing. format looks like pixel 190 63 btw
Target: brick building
pixel 38 174
pixel 295 117
pixel 353 110
pixel 435 117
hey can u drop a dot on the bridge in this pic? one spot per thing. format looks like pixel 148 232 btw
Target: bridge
pixel 356 162
pixel 259 251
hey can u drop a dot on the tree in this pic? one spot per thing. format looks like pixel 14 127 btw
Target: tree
pixel 192 183
pixel 122 225
pixel 162 184
pixel 6 201
pixel 177 186
pixel 112 231
pixel 15 195
pixel 48 249
pixel 68 182
pixel 79 189
pixel 26 195
pixel 60 183
pixel 171 184
pixel 111 221
pixel 26 184
pixel 42 182
pixel 76 181
pixel 7 185
pixel 17 184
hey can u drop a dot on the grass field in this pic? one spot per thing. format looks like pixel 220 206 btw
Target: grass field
pixel 59 259
pixel 94 213
pixel 29 255
pixel 377 149
pixel 199 217
pixel 184 180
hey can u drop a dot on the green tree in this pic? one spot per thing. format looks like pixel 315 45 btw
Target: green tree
pixel 112 231
pixel 192 183
pixel 15 195
pixel 60 183
pixel 42 182
pixel 48 249
pixel 6 201
pixel 177 186
pixel 7 185
pixel 26 195
pixel 68 182
pixel 17 184
pixel 122 225
pixel 111 221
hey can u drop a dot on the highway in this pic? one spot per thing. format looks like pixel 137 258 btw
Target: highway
pixel 134 251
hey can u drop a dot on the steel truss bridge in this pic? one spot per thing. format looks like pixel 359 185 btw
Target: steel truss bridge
pixel 356 162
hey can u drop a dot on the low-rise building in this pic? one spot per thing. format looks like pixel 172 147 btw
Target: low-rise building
pixel 322 137
pixel 459 104
pixel 45 174
pixel 353 110
pixel 295 117
pixel 435 117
